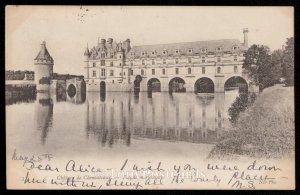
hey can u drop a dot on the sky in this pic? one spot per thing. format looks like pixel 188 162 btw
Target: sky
pixel 68 30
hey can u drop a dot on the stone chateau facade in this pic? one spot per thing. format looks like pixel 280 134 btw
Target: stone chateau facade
pixel 112 66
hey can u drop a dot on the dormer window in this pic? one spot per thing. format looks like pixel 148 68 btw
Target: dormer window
pixel 204 50
pixel 235 47
pixel 153 53
pixel 190 50
pixel 143 53
pixel 219 49
pixel 177 51
pixel 164 52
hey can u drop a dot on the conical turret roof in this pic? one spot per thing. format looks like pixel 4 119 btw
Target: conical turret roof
pixel 44 54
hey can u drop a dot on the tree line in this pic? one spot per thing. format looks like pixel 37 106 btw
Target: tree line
pixel 268 68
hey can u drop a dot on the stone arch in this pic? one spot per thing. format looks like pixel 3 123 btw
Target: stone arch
pixel 176 84
pixel 102 87
pixel 71 90
pixel 204 85
pixel 236 82
pixel 154 85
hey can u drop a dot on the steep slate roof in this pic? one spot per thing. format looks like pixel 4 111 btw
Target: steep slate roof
pixel 225 44
pixel 44 54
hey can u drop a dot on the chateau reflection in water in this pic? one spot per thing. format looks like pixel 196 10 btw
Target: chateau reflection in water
pixel 118 117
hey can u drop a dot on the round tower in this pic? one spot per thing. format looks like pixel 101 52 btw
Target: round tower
pixel 43 64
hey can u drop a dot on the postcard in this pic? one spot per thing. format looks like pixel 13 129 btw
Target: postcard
pixel 149 97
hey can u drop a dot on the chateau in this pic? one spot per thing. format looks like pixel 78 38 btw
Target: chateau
pixel 201 66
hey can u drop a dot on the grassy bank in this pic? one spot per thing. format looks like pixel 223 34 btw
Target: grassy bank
pixel 264 130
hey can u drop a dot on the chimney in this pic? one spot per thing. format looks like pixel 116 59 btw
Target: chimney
pixel 127 47
pixel 110 40
pixel 245 31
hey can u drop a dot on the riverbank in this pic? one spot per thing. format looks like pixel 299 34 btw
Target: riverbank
pixel 264 130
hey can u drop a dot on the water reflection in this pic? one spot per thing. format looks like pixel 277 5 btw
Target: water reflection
pixel 44 115
pixel 117 117
pixel 176 117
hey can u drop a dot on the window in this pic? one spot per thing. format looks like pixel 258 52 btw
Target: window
pixel 189 71
pixel 102 72
pixel 94 64
pixel 111 63
pixel 203 59
pixel 190 50
pixel 177 51
pixel 120 63
pixel 113 81
pixel 102 55
pixel 131 72
pixel 153 52
pixel 111 73
pixel 143 53
pixel 164 52
pixel 219 70
pixel 235 48
pixel 153 71
pixel 190 60
pixel 203 70
pixel 131 63
pixel 94 73
pixel 163 71
pixel 235 58
pixel 219 59
pixel 176 61
pixel 120 74
pixel 111 55
pixel 219 49
pixel 235 69
pixel 164 61
pixel 176 71
pixel 102 62
pixel 203 50
pixel 153 62
pixel 143 62
pixel 124 73
pixel 142 72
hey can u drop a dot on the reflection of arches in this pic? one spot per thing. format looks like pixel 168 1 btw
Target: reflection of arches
pixel 102 87
pixel 71 90
pixel 177 85
pixel 154 85
pixel 236 82
pixel 204 85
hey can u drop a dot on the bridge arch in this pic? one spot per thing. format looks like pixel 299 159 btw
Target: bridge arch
pixel 204 85
pixel 236 82
pixel 176 84
pixel 154 85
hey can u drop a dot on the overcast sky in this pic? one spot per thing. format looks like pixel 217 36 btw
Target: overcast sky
pixel 68 30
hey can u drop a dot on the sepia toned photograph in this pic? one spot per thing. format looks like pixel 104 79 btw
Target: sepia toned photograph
pixel 149 97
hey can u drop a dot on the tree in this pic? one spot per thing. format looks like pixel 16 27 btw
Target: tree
pixel 288 61
pixel 277 65
pixel 258 65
